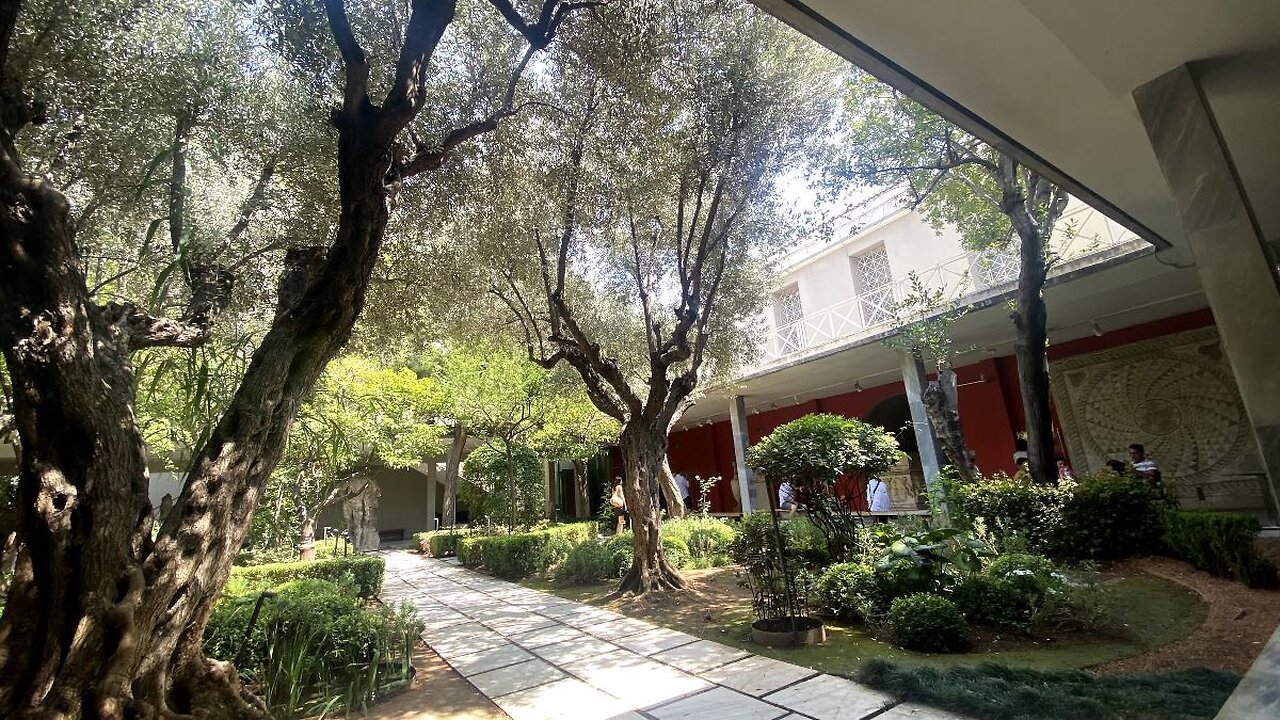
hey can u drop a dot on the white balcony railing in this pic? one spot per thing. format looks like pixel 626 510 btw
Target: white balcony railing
pixel 960 278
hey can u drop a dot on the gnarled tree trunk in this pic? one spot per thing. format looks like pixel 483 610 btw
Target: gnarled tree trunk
pixel 360 510
pixel 667 481
pixel 644 449
pixel 102 621
pixel 452 464
pixel 940 404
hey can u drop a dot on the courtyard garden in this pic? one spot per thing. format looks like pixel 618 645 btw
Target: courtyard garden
pixel 264 260
pixel 1027 586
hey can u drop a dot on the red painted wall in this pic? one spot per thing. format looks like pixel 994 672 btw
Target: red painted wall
pixel 990 410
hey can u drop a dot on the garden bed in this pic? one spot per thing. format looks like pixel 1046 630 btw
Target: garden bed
pixel 1148 613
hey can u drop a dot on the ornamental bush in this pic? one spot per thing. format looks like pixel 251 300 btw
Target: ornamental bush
pixel 850 591
pixel 707 539
pixel 520 555
pixel 364 571
pixel 599 559
pixel 1103 515
pixel 929 623
pixel 811 453
pixel 315 646
pixel 1220 543
pixel 1108 515
pixel 1014 510
pixel 1021 584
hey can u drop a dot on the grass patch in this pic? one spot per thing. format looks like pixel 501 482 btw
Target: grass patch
pixel 996 692
pixel 1146 612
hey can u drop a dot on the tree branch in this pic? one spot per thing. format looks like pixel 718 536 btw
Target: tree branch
pixel 356 88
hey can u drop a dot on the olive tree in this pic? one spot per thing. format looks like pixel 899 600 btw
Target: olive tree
pixel 956 179
pixel 103 618
pixel 650 223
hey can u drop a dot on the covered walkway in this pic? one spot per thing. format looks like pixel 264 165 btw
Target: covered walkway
pixel 539 657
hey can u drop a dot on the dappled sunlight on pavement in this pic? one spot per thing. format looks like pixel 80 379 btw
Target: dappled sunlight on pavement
pixel 539 657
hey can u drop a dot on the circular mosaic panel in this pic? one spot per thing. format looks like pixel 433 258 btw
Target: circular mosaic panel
pixel 1184 410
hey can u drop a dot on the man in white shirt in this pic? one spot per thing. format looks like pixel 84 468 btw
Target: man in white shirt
pixel 878 495
pixel 682 485
pixel 787 498
pixel 1143 466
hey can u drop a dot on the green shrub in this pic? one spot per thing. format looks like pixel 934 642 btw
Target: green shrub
pixel 1108 515
pixel 597 560
pixel 984 600
pixel 1014 510
pixel 315 643
pixel 521 555
pixel 707 538
pixel 1103 515
pixel 811 453
pixel 850 591
pixel 364 570
pixel 676 551
pixel 1021 583
pixel 929 623
pixel 591 562
pixel 1220 543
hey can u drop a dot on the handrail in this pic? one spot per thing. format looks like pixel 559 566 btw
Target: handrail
pixel 960 278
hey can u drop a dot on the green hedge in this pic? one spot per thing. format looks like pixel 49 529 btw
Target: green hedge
pixel 366 571
pixel 521 555
pixel 1220 543
pixel 707 539
pixel 1108 515
pixel 1103 515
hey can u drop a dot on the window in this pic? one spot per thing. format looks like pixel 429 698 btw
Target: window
pixel 789 316
pixel 995 266
pixel 873 281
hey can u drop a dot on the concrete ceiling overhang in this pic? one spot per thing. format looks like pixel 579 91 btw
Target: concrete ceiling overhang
pixel 1050 83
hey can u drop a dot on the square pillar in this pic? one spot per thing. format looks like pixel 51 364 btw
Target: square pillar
pixel 1235 270
pixel 741 441
pixel 913 379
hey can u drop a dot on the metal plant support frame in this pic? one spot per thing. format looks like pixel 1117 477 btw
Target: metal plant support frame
pixel 788 581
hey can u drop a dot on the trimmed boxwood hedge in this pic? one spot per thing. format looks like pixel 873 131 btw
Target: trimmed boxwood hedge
pixel 1220 543
pixel 929 623
pixel 521 555
pixel 366 570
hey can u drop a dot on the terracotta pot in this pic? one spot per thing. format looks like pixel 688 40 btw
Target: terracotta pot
pixel 779 633
pixel 307 552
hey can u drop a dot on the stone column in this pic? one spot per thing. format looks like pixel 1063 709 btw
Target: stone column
pixel 745 479
pixel 913 379
pixel 1238 276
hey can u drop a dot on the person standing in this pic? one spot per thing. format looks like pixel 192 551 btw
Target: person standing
pixel 682 486
pixel 618 501
pixel 878 495
pixel 1064 470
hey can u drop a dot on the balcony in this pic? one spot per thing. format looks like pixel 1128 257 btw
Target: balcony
pixel 963 279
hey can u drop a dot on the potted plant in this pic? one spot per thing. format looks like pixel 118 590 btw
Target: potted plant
pixel 779 580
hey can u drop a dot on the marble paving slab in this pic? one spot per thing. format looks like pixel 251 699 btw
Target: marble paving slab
pixel 700 656
pixel 514 678
pixel 540 657
pixel 831 698
pixel 757 675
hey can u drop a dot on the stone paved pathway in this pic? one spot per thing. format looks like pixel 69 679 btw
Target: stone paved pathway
pixel 538 657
